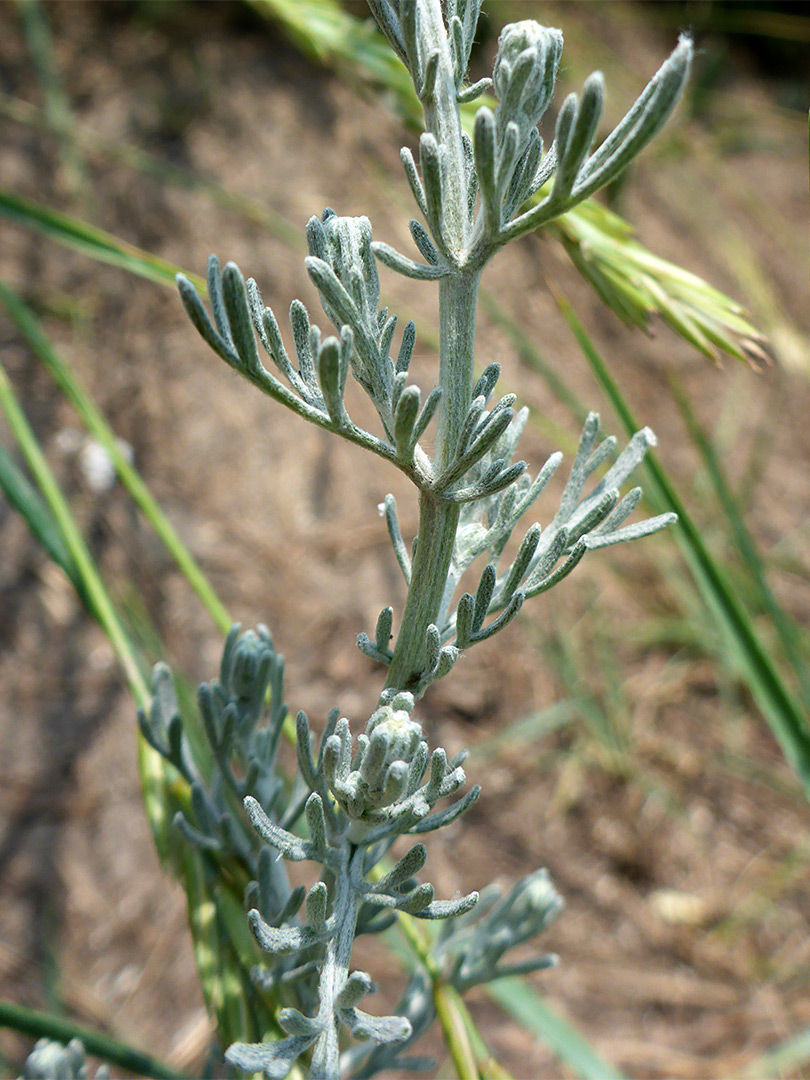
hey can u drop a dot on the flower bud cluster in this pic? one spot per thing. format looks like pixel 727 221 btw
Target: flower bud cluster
pixel 525 73
pixel 380 790
pixel 344 245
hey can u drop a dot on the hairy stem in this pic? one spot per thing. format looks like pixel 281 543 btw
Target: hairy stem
pixel 438 516
pixel 458 292
pixel 326 1055
pixel 438 520
pixel 458 298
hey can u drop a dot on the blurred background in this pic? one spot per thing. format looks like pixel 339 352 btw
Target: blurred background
pixel 628 734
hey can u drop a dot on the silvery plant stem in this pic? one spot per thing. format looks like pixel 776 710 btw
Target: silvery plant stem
pixel 335 971
pixel 438 516
pixel 458 296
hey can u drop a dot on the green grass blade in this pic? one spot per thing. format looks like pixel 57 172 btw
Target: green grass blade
pixel 57 106
pixel 786 718
pixel 70 386
pixel 90 240
pixel 25 500
pixel 41 1025
pixel 100 604
pixel 534 1014
pixel 785 627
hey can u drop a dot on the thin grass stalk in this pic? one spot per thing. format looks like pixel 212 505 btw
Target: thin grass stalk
pixel 58 110
pixel 40 1025
pixel 452 1024
pixel 464 1042
pixel 783 624
pixel 90 240
pixel 56 503
pixel 95 423
pixel 26 501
